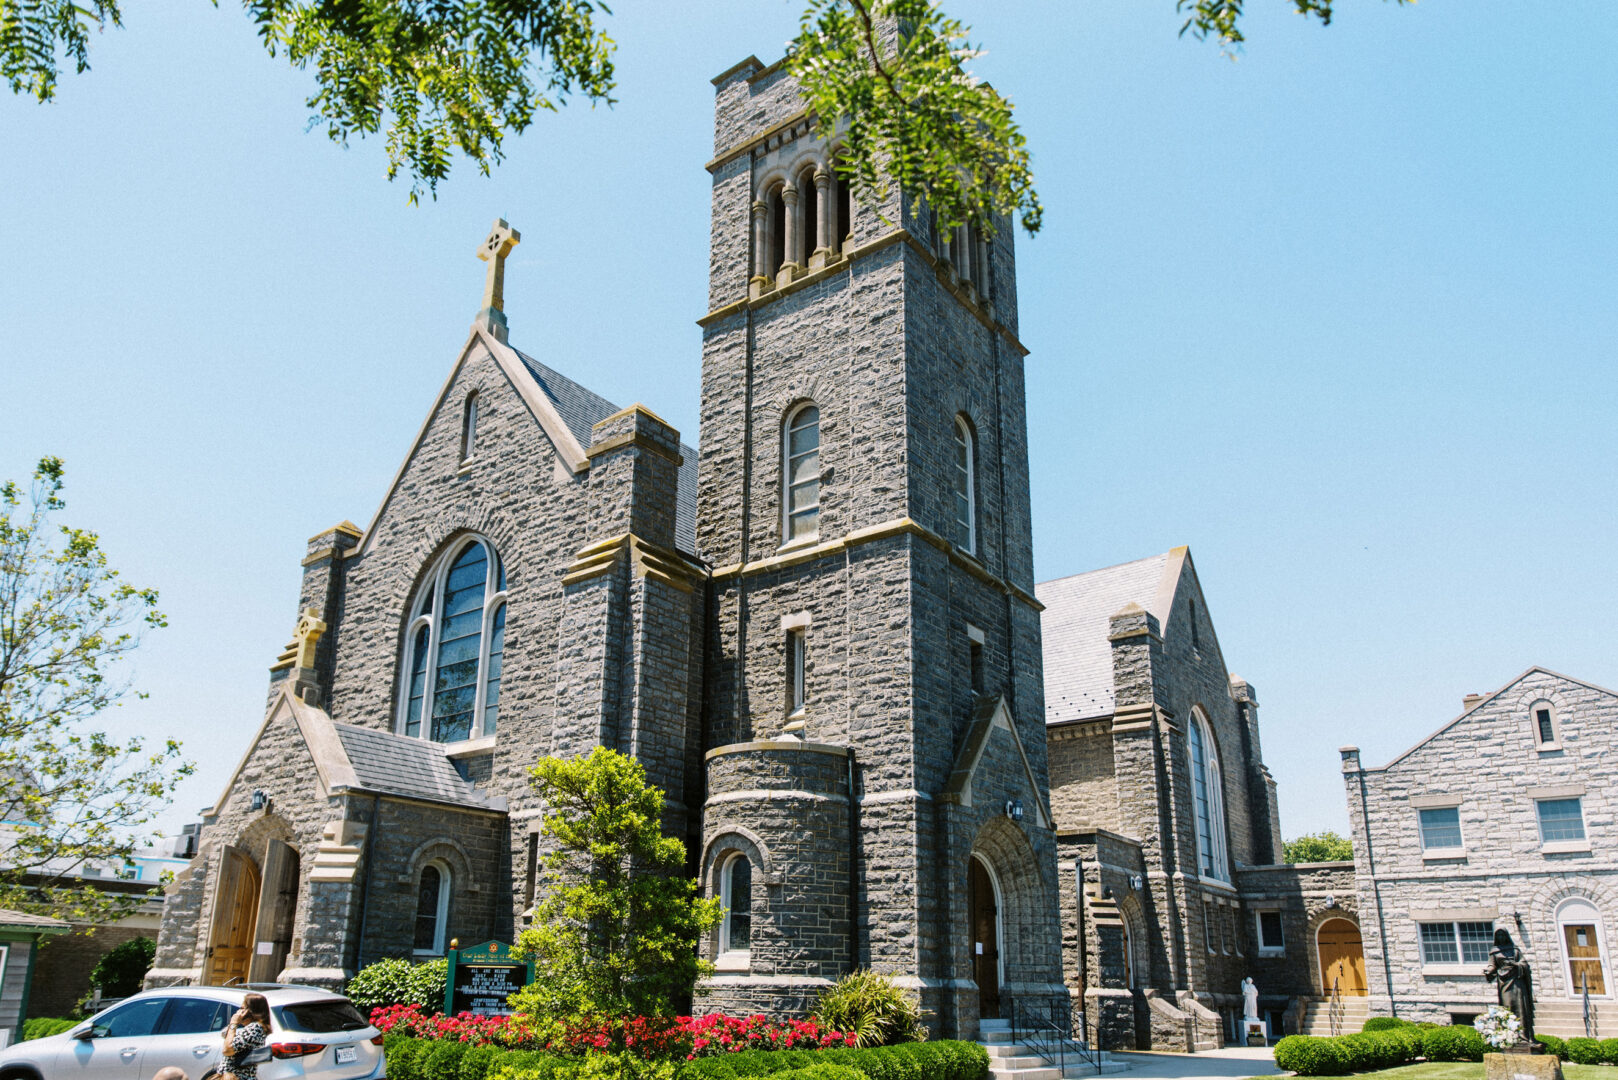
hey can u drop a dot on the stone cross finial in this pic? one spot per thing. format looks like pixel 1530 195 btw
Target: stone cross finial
pixel 501 239
pixel 307 636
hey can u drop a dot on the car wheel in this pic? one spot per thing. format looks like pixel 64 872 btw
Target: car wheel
pixel 19 1074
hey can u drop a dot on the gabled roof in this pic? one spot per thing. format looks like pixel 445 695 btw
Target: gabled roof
pixel 1078 655
pixel 1489 697
pixel 34 924
pixel 349 758
pixel 566 412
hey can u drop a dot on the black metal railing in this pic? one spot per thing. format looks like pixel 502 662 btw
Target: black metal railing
pixel 1046 1028
pixel 1584 992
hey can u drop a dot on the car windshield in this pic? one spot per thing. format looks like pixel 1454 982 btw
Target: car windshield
pixel 321 1017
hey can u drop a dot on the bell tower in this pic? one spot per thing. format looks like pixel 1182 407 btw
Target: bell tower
pixel 873 637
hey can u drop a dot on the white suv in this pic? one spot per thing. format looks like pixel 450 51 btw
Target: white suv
pixel 314 1034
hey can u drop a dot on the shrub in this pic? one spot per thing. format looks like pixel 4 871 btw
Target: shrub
pixel 442 1062
pixel 1454 1043
pixel 399 982
pixel 1584 1051
pixel 477 1062
pixel 1609 1051
pixel 42 1026
pixel 1385 1023
pixel 1308 1055
pixel 121 971
pixel 1554 1045
pixel 872 1008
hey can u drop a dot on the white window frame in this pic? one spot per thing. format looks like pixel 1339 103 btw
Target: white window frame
pixel 1460 965
pixel 1555 741
pixel 797 680
pixel 1441 851
pixel 441 916
pixel 494 598
pixel 787 458
pixel 1214 788
pixel 1579 843
pixel 1258 932
pixel 965 440
pixel 730 959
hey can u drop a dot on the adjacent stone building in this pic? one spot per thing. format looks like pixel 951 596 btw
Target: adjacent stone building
pixel 1503 818
pixel 1168 828
pixel 820 637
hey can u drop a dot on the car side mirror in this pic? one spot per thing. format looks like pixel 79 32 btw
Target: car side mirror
pixel 85 1034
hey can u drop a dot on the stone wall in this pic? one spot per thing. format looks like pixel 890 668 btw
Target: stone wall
pixel 1489 763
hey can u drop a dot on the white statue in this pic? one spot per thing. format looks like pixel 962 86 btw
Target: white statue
pixel 1249 999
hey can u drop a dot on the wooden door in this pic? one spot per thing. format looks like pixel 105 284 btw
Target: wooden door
pixel 1583 959
pixel 985 941
pixel 1342 958
pixel 277 908
pixel 235 915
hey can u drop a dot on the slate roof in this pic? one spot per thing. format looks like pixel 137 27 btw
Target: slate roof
pixel 581 409
pixel 1078 656
pixel 397 765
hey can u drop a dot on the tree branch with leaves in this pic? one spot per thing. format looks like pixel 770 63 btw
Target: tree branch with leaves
pixel 70 795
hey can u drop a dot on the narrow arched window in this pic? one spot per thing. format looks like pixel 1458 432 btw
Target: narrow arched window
pixel 809 207
pixel 469 427
pixel 842 234
pixel 451 682
pixel 965 484
pixel 776 239
pixel 1207 788
pixel 736 896
pixel 801 474
pixel 432 908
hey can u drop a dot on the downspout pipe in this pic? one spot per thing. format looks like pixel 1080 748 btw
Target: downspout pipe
pixel 365 883
pixel 853 869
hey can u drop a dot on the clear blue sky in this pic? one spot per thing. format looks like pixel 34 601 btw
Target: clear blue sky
pixel 1340 316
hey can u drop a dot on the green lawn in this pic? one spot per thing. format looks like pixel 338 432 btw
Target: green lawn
pixel 1473 1070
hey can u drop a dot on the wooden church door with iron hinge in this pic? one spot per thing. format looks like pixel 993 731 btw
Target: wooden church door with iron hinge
pixel 985 940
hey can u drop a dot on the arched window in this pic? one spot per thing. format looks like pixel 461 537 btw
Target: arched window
pixel 776 238
pixel 809 207
pixel 965 484
pixel 458 634
pixel 842 232
pixel 801 474
pixel 1207 787
pixel 736 896
pixel 469 427
pixel 1547 730
pixel 432 908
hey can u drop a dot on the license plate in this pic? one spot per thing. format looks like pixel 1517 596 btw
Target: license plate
pixel 347 1055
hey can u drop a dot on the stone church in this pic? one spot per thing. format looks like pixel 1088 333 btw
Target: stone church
pixel 820 636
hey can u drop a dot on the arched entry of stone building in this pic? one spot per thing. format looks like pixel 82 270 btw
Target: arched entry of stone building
pixel 1578 924
pixel 1342 958
pixel 235 916
pixel 984 901
pixel 277 912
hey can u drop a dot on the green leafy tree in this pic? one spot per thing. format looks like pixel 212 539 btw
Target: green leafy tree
pixel 615 934
pixel 120 972
pixel 456 76
pixel 67 621
pixel 1318 847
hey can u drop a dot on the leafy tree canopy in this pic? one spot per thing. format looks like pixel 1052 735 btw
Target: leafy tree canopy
pixel 616 930
pixel 1324 846
pixel 66 622
pixel 455 76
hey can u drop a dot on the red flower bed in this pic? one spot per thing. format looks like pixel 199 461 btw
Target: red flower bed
pixel 650 1036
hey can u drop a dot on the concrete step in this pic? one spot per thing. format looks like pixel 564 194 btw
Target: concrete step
pixel 1043 1072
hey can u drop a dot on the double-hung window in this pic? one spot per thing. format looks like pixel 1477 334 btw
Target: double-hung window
pixel 1440 828
pixel 1271 941
pixel 1560 820
pixel 1456 942
pixel 801 479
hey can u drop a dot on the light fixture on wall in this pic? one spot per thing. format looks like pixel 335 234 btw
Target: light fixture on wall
pixel 1331 901
pixel 1136 882
pixel 1014 809
pixel 261 801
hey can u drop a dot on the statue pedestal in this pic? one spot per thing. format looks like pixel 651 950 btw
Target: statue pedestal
pixel 1521 1066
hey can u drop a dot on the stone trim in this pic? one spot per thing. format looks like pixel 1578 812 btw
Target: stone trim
pixel 715 847
pixel 775 744
pixel 1561 791
pixel 992 713
pixel 725 157
pixel 768 794
pixel 1436 802
pixel 870 534
pixel 648 560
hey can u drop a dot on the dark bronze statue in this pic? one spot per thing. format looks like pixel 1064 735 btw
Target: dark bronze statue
pixel 1514 982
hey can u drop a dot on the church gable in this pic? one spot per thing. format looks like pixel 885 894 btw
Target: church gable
pixel 993 751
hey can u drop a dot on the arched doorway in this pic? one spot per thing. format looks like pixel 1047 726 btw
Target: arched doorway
pixel 235 916
pixel 985 921
pixel 277 911
pixel 1578 925
pixel 1342 958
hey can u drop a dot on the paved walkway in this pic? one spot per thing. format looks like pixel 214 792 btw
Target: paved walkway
pixel 1230 1063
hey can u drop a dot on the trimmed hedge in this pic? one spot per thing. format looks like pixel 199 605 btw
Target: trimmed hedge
pixel 41 1026
pixel 1383 1048
pixel 1584 1051
pixel 435 1059
pixel 1553 1044
pixel 1609 1051
pixel 1385 1023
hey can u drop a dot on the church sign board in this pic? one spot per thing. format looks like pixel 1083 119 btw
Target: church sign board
pixel 482 977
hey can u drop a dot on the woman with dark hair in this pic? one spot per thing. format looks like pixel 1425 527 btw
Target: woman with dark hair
pixel 1514 982
pixel 248 1030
